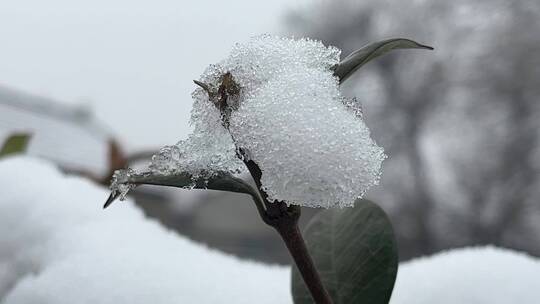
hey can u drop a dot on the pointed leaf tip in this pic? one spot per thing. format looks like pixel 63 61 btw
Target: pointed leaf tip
pixel 222 181
pixel 360 57
pixel 112 197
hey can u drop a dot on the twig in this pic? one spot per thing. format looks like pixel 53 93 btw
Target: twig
pixel 284 219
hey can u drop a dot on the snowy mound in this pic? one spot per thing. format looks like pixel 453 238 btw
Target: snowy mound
pixel 58 246
pixel 482 275
pixel 287 114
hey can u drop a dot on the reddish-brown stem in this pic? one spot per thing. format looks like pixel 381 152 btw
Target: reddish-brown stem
pixel 287 227
pixel 285 220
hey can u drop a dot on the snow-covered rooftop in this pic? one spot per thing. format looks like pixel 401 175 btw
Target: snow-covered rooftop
pixel 66 134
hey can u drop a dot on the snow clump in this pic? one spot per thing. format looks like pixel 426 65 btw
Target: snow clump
pixel 289 117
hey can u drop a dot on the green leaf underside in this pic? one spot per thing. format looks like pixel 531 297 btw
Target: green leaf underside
pixel 358 58
pixel 221 181
pixel 16 143
pixel 354 251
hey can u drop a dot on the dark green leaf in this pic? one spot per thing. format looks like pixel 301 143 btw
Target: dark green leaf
pixel 355 253
pixel 16 143
pixel 358 58
pixel 222 181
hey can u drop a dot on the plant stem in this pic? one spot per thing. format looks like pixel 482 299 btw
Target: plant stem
pixel 287 227
pixel 284 219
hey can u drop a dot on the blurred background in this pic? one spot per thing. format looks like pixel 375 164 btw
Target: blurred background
pixel 104 84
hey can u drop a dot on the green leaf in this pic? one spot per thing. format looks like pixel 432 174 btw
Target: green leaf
pixel 354 251
pixel 221 181
pixel 16 143
pixel 358 58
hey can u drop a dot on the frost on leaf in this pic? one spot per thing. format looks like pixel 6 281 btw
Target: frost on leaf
pixel 120 183
pixel 200 156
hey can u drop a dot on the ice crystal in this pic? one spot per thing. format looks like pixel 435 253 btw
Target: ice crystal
pixel 201 155
pixel 120 183
pixel 354 106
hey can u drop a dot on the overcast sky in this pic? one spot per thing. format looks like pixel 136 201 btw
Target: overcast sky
pixel 132 61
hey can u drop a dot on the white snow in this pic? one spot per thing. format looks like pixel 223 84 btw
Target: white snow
pixel 58 246
pixel 310 142
pixel 204 152
pixel 292 121
pixel 477 275
pixel 119 183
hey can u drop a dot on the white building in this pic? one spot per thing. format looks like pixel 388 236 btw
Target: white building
pixel 65 134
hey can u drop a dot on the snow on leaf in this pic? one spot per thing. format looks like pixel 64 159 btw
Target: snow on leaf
pixel 278 100
pixel 125 180
pixel 293 122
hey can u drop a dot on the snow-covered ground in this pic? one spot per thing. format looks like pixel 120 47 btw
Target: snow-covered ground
pixel 477 275
pixel 58 246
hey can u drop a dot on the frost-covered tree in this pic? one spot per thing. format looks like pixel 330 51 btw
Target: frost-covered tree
pixel 461 127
